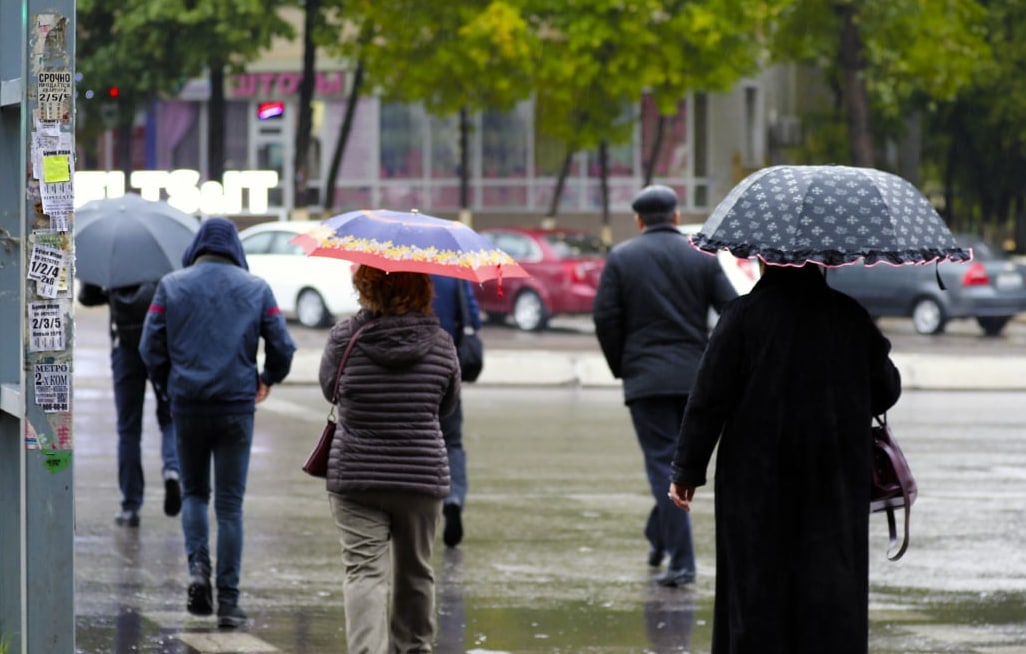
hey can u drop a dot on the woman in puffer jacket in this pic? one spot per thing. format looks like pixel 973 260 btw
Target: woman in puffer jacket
pixel 388 471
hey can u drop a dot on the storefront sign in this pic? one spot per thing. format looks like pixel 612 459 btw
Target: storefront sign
pixel 278 85
pixel 182 189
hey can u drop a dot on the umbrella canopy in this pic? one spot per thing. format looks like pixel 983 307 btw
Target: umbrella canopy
pixel 828 215
pixel 128 240
pixel 400 241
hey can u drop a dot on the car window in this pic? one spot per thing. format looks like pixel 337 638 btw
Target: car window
pixel 518 246
pixel 281 245
pixel 258 243
pixel 572 246
pixel 982 250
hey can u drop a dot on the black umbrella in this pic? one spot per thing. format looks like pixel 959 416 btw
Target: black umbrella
pixel 128 240
pixel 829 215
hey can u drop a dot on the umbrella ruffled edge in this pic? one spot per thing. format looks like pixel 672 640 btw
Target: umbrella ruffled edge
pixel 832 258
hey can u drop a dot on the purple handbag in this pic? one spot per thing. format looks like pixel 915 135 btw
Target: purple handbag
pixel 894 487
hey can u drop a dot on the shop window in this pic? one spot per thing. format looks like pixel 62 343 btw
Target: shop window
pixel 445 146
pixel 672 160
pixel 236 135
pixel 402 142
pixel 504 142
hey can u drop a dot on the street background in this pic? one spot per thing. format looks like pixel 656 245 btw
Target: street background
pixel 554 557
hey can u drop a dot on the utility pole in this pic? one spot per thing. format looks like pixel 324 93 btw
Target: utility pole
pixel 37 484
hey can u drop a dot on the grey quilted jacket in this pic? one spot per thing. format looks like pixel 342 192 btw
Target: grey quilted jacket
pixel 400 377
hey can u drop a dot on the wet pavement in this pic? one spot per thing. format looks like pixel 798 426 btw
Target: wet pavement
pixel 553 559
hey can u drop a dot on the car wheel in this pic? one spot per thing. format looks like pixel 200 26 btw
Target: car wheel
pixel 311 310
pixel 928 316
pixel 992 325
pixel 529 312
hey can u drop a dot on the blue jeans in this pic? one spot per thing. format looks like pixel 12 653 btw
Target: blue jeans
pixel 225 439
pixel 657 423
pixel 129 375
pixel 452 432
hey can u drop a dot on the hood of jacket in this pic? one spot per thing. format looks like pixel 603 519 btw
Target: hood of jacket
pixel 216 236
pixel 398 341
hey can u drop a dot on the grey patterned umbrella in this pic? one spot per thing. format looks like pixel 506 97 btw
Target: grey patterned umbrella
pixel 830 215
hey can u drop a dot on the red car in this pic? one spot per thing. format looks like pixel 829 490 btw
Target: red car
pixel 565 266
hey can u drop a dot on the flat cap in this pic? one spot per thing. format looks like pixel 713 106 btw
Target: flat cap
pixel 655 199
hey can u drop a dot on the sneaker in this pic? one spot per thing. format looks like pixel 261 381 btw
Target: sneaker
pixel 230 616
pixel 453 532
pixel 672 578
pixel 201 598
pixel 172 494
pixel 127 518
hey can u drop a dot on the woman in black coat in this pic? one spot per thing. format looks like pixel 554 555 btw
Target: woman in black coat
pixel 792 377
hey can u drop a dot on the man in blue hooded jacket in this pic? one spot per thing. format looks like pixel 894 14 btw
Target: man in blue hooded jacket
pixel 199 344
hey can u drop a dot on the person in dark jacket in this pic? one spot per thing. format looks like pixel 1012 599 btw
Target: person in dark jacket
pixel 788 387
pixel 446 306
pixel 388 472
pixel 127 311
pixel 200 344
pixel 651 315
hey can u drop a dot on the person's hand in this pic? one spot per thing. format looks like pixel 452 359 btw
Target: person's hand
pixel 263 390
pixel 682 495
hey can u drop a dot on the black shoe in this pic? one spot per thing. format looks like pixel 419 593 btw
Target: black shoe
pixel 655 557
pixel 201 598
pixel 453 532
pixel 172 495
pixel 230 616
pixel 672 578
pixel 127 518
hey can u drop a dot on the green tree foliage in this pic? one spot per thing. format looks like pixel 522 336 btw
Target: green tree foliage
pixel 978 140
pixel 600 56
pixel 883 57
pixel 147 48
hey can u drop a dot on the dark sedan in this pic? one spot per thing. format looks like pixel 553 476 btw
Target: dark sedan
pixel 565 266
pixel 990 289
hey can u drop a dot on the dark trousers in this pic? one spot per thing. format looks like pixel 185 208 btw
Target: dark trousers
pixel 452 432
pixel 130 380
pixel 657 423
pixel 224 443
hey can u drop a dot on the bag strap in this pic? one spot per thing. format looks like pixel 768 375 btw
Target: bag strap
pixel 342 361
pixel 892 526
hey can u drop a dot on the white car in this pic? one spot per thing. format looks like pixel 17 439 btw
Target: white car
pixel 741 273
pixel 313 290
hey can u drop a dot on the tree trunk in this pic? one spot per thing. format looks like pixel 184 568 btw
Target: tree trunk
pixel 856 97
pixel 657 146
pixel 343 138
pixel 564 171
pixel 301 165
pixel 464 164
pixel 215 123
pixel 607 233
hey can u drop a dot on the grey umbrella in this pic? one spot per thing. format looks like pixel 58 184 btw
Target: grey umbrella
pixel 128 240
pixel 830 215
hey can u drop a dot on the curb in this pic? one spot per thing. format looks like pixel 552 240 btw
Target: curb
pixel 526 368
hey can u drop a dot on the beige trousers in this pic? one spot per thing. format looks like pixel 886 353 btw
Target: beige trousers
pixel 389 585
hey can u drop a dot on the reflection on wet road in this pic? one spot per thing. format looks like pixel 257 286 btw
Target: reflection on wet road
pixel 554 559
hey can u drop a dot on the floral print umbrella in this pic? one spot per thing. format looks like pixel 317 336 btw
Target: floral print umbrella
pixel 828 215
pixel 409 242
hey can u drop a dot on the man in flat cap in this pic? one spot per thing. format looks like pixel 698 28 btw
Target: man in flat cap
pixel 651 318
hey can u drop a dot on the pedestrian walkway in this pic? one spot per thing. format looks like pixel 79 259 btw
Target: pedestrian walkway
pixel 919 371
